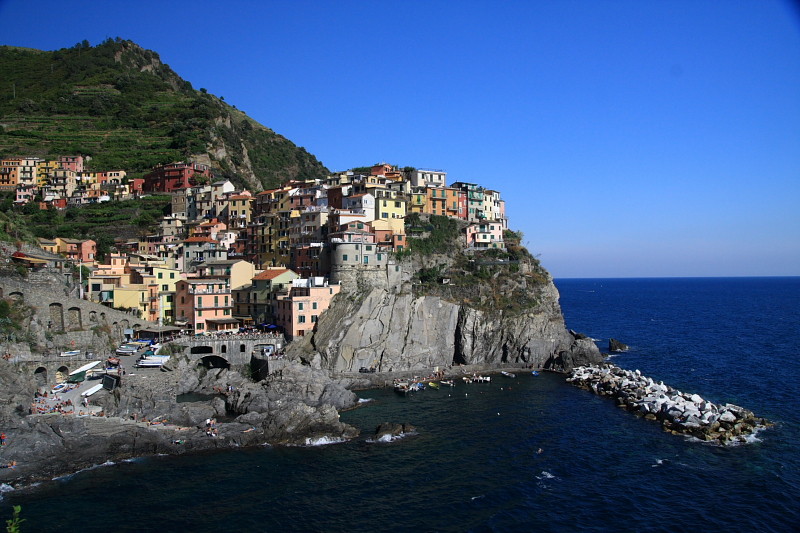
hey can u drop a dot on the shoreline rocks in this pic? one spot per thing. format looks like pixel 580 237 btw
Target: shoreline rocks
pixel 679 413
pixel 143 417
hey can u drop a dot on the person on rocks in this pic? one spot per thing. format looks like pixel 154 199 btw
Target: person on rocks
pixel 2 439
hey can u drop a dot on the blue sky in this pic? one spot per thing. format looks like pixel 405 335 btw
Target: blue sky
pixel 628 138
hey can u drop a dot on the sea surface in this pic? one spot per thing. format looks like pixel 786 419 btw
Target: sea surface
pixel 531 453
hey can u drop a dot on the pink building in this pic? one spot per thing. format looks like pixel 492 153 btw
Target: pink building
pixel 298 312
pixel 71 162
pixel 204 305
pixel 488 234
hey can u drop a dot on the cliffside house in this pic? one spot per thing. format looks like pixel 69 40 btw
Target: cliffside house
pixel 297 313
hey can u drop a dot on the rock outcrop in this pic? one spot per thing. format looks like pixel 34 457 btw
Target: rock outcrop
pixel 388 431
pixel 616 346
pixel 144 416
pixel 390 329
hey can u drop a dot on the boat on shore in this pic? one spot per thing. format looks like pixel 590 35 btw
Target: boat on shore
pixel 448 382
pixel 481 379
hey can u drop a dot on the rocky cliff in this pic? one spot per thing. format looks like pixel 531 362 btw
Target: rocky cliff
pixel 398 323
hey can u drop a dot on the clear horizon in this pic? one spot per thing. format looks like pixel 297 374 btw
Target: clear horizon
pixel 628 139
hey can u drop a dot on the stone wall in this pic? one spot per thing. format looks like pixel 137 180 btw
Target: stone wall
pixel 60 322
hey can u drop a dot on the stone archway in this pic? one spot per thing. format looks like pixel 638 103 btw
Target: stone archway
pixel 56 317
pixel 40 375
pixel 74 319
pixel 93 317
pixel 62 374
pixel 214 361
pixel 201 349
pixel 16 295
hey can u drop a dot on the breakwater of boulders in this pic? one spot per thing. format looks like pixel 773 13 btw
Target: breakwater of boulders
pixel 680 413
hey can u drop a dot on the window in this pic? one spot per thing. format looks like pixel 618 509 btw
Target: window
pixel 313 305
pixel 366 259
pixel 172 275
pixel 300 306
pixel 313 318
pixel 160 275
pixel 369 248
pixel 301 319
pixel 344 257
pixel 165 288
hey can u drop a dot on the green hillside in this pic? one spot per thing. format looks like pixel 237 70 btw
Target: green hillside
pixel 117 103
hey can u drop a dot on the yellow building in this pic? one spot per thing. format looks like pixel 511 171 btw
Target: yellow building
pixel 392 211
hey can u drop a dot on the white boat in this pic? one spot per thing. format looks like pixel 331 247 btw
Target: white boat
pixel 127 349
pixel 71 353
pixel 508 374
pixel 149 364
pixel 84 368
pixel 92 390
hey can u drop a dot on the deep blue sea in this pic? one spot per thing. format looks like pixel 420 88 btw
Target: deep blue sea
pixel 526 454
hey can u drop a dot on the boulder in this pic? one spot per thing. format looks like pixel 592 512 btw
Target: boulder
pixel 392 429
pixel 616 346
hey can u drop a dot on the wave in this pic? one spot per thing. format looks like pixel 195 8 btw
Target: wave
pixel 324 441
pixel 391 438
pixel 3 489
pixel 546 475
pixel 365 400
pixel 67 477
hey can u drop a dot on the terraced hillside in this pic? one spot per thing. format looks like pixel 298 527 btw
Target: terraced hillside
pixel 120 105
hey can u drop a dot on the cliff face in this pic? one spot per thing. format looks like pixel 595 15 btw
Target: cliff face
pixel 390 329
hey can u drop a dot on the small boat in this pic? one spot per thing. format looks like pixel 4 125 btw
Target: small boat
pixel 127 349
pixel 59 388
pixel 535 372
pixel 70 353
pixel 448 382
pixel 402 387
pixel 466 379
pixel 433 385
pixel 92 390
pixel 481 379
pixel 508 374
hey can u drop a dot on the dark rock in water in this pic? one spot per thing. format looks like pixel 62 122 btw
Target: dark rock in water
pixel 391 429
pixel 577 335
pixel 615 346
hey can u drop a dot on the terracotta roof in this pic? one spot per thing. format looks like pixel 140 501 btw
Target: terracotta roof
pixel 271 273
pixel 200 239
